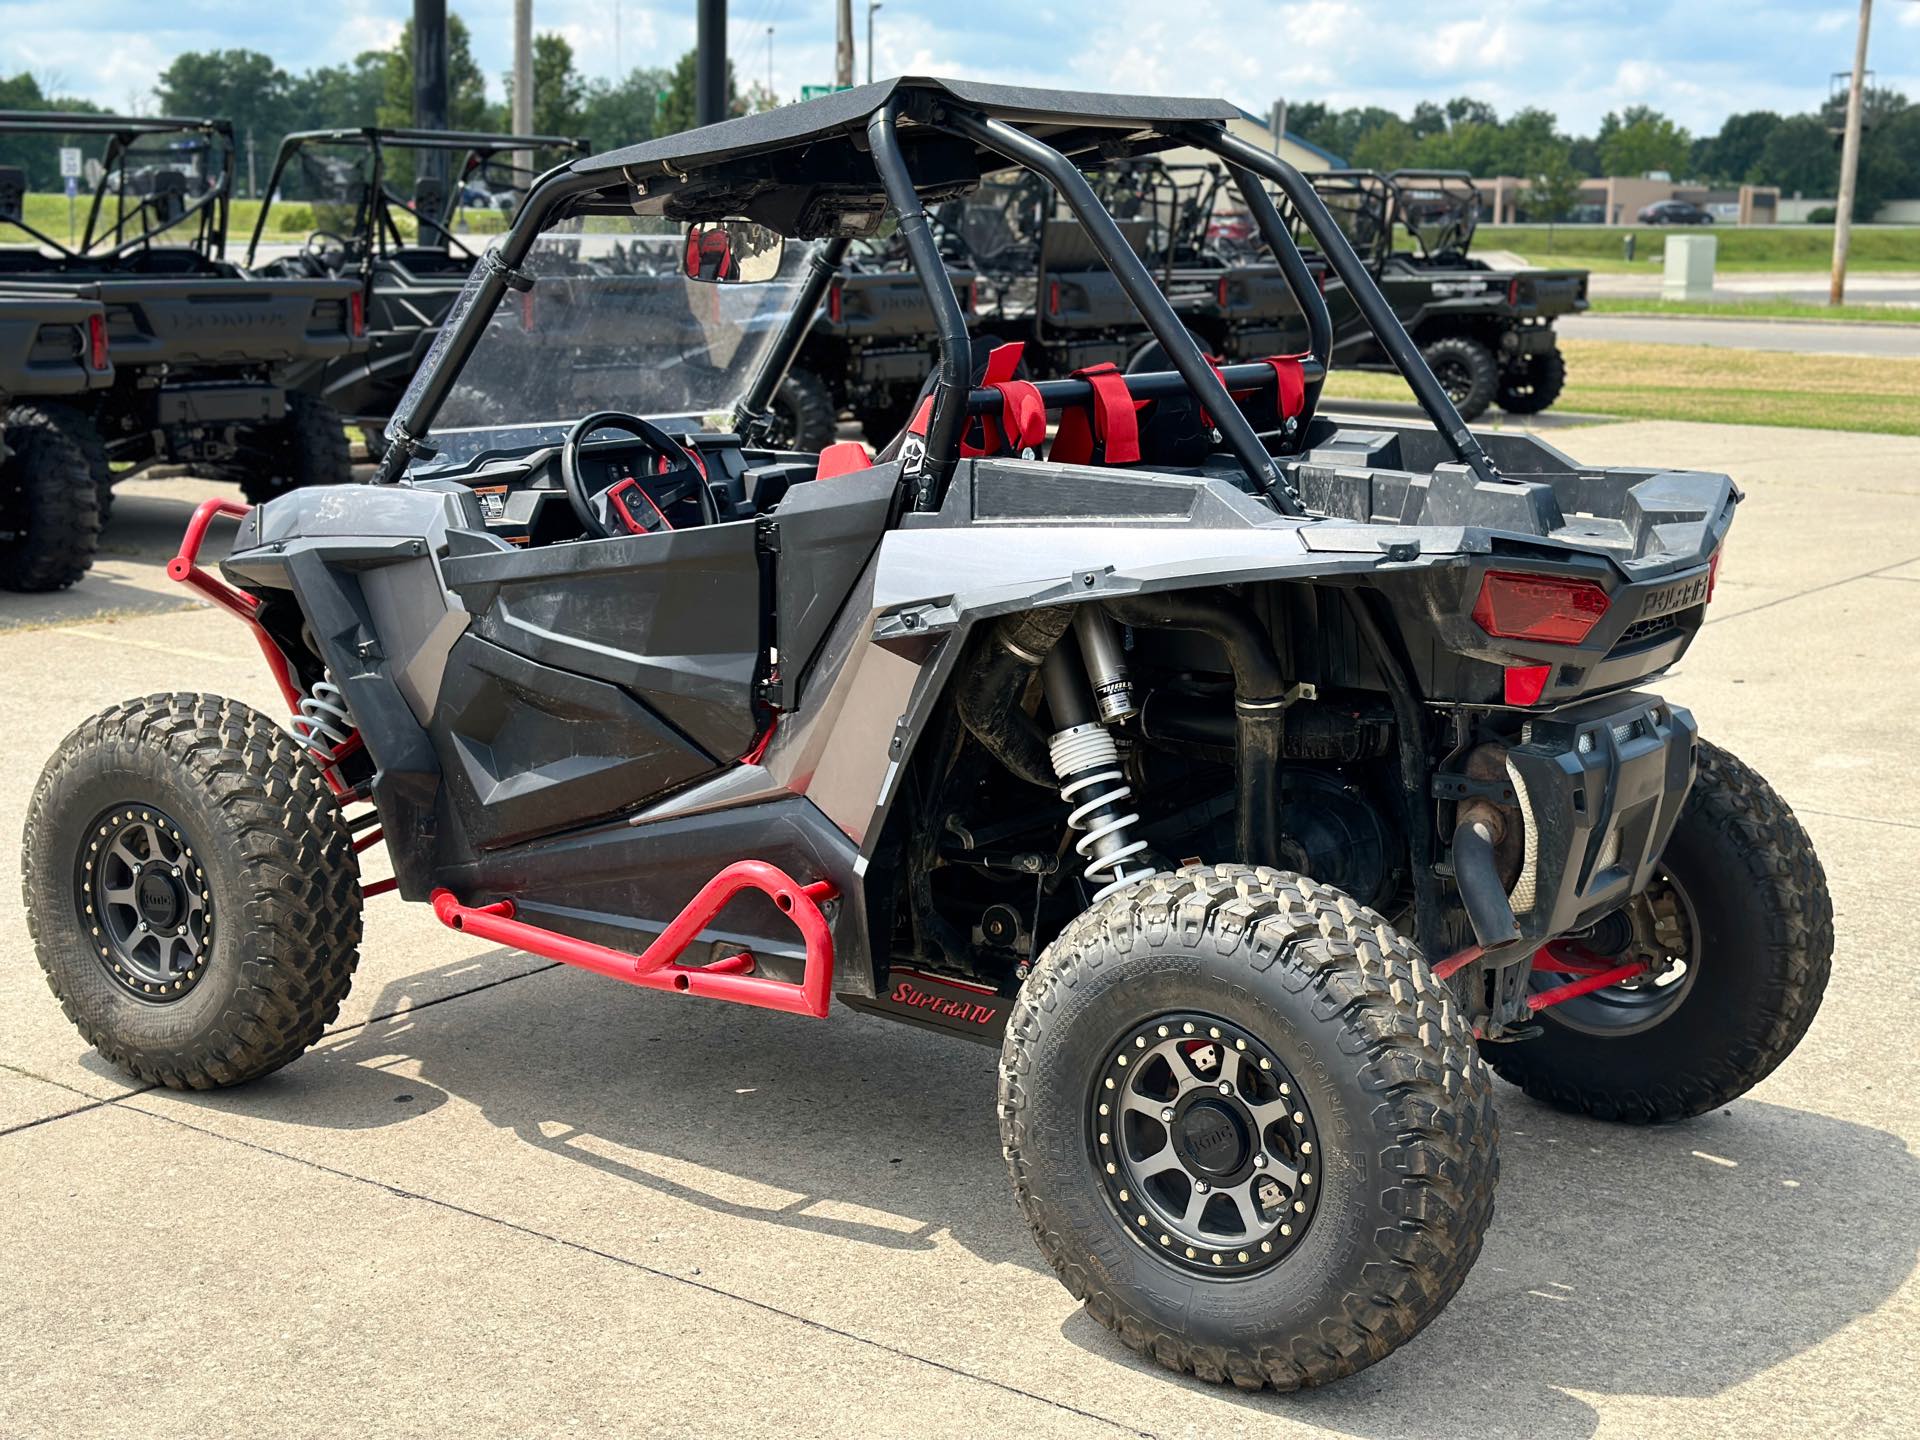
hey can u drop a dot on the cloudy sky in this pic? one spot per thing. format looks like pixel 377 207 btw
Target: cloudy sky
pixel 1697 59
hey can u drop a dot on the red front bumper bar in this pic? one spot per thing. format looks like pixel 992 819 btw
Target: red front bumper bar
pixel 657 966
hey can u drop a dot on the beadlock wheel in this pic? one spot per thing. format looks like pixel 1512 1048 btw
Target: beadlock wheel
pixel 1205 1145
pixel 145 900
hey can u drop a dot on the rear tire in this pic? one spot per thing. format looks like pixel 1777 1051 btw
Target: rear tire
pixel 1758 901
pixel 49 505
pixel 1533 384
pixel 804 414
pixel 308 447
pixel 1467 371
pixel 1400 1192
pixel 229 833
pixel 79 427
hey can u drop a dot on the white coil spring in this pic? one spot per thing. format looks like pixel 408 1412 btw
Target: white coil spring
pixel 1088 764
pixel 323 723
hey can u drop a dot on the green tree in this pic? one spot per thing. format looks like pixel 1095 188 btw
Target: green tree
pixel 1385 147
pixel 1642 140
pixel 38 156
pixel 677 107
pixel 1553 188
pixel 624 113
pixel 559 92
pixel 1733 153
pixel 1800 158
pixel 338 96
pixel 467 107
pixel 243 86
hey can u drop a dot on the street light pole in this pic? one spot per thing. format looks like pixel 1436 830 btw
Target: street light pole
pixel 843 44
pixel 872 5
pixel 1849 163
pixel 710 66
pixel 430 75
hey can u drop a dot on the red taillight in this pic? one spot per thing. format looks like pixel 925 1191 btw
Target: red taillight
pixel 1221 291
pixel 1545 608
pixel 1513 291
pixel 97 342
pixel 1526 683
pixel 1713 572
pixel 357 313
pixel 1053 297
pixel 836 303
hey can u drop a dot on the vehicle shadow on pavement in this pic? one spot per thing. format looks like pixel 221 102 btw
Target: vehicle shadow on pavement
pixel 1672 1261
pixel 1676 1261
pixel 142 536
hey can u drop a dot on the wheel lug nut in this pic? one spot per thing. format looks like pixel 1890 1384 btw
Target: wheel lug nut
pixel 1166 1115
pixel 1226 1087
pixel 1200 1187
pixel 1259 1161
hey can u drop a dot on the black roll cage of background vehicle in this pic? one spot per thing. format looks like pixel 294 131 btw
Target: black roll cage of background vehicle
pixel 123 130
pixel 965 110
pixel 479 147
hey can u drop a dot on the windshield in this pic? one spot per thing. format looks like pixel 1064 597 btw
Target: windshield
pixel 161 188
pixel 610 323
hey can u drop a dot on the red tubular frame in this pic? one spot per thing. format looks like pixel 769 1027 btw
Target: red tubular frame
pixel 657 967
pixel 1561 958
pixel 185 568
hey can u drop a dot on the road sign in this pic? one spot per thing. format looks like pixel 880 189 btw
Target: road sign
pixel 73 186
pixel 69 162
pixel 814 92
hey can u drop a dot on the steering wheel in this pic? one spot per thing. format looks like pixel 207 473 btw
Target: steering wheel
pixel 683 470
pixel 329 256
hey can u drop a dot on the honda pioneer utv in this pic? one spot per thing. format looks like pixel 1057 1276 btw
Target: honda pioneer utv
pixel 208 360
pixel 401 250
pixel 50 354
pixel 1488 334
pixel 1255 781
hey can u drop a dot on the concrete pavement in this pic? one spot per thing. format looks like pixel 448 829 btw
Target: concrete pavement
pixel 503 1197
pixel 1803 338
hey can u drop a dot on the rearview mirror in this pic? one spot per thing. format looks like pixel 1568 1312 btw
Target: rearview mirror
pixel 732 252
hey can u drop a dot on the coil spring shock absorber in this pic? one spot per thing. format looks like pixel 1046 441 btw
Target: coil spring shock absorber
pixel 1084 755
pixel 322 721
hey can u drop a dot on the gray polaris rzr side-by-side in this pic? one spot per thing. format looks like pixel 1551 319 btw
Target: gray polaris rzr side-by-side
pixel 1259 782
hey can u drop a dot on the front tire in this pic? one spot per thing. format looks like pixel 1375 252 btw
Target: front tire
pixel 191 890
pixel 1757 920
pixel 307 447
pixel 1467 371
pixel 804 415
pixel 1353 1094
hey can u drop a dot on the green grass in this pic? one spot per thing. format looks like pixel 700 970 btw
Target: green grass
pixel 1760 310
pixel 1710 383
pixel 1741 248
pixel 291 222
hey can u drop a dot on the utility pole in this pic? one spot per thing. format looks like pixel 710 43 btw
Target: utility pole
pixel 872 5
pixel 430 76
pixel 1278 116
pixel 710 66
pixel 843 45
pixel 769 60
pixel 1849 163
pixel 522 121
pixel 253 192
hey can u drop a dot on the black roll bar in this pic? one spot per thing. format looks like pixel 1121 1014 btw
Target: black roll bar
pixel 1137 281
pixel 956 346
pixel 1353 273
pixel 1293 265
pixel 821 269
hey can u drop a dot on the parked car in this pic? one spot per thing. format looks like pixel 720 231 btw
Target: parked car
pixel 1674 212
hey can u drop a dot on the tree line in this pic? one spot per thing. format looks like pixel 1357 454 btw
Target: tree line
pixel 1798 153
pixel 266 101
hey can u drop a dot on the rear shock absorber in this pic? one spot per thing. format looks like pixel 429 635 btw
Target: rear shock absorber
pixel 1084 754
pixel 322 721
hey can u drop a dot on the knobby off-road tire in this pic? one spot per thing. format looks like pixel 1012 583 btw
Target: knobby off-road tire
pixel 79 427
pixel 49 509
pixel 805 417
pixel 1763 950
pixel 1533 384
pixel 1400 1103
pixel 308 447
pixel 275 886
pixel 1467 371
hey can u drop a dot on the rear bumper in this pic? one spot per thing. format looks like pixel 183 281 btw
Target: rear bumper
pixel 1600 785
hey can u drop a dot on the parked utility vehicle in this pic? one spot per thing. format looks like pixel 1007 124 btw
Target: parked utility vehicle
pixel 1252 780
pixel 1486 332
pixel 208 360
pixel 403 250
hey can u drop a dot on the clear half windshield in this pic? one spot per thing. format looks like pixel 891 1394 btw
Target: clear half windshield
pixel 610 323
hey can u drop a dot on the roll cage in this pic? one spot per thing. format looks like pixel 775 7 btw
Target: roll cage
pixel 163 207
pixel 831 169
pixel 1438 208
pixel 375 230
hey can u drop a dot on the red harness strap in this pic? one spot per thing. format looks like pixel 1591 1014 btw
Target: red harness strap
pixel 1021 425
pixel 1111 420
pixel 1291 378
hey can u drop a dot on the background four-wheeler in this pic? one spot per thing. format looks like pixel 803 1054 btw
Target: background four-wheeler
pixel 204 355
pixel 51 353
pixel 1253 780
pixel 1487 333
pixel 385 205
